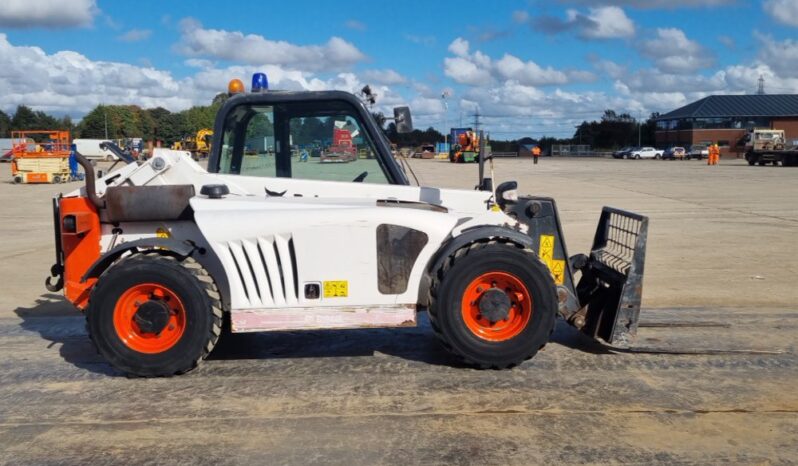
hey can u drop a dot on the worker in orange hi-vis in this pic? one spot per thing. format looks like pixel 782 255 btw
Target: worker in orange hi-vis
pixel 714 155
pixel 536 154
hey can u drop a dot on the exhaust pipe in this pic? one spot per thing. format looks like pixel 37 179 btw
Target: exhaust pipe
pixel 91 191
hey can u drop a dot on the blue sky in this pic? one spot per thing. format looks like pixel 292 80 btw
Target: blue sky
pixel 532 67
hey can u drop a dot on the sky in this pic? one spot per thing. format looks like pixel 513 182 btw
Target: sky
pixel 528 67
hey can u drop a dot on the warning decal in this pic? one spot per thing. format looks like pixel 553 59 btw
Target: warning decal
pixel 558 270
pixel 546 250
pixel 336 289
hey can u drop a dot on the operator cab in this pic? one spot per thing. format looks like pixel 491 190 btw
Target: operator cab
pixel 323 135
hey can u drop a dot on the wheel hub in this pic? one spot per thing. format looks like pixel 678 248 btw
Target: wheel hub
pixel 495 305
pixel 152 316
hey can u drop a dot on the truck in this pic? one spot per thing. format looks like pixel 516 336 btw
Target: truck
pixel 763 146
pixel 164 254
pixel 90 148
pixel 341 150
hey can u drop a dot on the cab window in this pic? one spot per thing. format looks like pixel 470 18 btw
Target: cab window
pixel 315 141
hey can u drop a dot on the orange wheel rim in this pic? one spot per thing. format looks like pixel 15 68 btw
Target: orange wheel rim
pixel 136 310
pixel 499 322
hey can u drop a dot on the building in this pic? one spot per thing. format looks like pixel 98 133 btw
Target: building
pixel 725 119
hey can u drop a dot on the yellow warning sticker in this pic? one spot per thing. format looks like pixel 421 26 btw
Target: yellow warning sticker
pixel 546 250
pixel 558 270
pixel 336 289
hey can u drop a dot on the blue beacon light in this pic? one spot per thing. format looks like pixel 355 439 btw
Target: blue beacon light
pixel 259 82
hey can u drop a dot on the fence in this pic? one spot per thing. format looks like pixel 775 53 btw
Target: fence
pixel 573 150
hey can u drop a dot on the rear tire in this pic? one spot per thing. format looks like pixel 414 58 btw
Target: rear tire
pixel 458 291
pixel 180 291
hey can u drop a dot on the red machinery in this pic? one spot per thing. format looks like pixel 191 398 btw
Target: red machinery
pixel 342 149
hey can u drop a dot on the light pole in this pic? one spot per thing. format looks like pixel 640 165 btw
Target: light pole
pixel 444 95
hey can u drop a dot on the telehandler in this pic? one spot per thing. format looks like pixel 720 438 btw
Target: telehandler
pixel 161 254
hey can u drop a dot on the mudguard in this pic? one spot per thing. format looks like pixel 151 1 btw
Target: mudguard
pixel 182 249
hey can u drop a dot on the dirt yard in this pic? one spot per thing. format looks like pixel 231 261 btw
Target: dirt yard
pixel 719 279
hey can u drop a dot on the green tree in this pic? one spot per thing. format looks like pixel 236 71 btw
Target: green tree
pixel 93 125
pixel 167 126
pixel 24 118
pixel 5 125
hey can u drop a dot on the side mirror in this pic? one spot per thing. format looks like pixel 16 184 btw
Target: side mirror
pixel 404 122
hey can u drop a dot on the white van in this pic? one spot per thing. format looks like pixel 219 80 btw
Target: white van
pixel 90 148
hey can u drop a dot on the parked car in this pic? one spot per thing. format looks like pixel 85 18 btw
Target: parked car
pixel 623 153
pixel 646 153
pixel 674 153
pixel 698 151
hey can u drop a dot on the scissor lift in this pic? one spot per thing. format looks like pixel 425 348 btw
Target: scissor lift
pixel 46 161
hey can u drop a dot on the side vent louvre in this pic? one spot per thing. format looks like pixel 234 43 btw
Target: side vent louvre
pixel 266 266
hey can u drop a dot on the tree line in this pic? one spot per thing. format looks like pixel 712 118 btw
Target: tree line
pixel 118 122
pixel 611 131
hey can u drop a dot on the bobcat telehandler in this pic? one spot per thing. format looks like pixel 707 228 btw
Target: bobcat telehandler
pixel 162 254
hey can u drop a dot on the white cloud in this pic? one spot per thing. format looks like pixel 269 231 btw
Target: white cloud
pixel 603 22
pixel 426 40
pixel 355 25
pixel 783 11
pixel 608 22
pixel 610 68
pixel 781 56
pixel 47 13
pixel 478 69
pixel 727 41
pixel 673 52
pixel 235 46
pixel 520 16
pixel 646 4
pixel 459 47
pixel 386 76
pixel 465 71
pixel 135 35
pixel 528 73
pixel 69 82
pixel 426 106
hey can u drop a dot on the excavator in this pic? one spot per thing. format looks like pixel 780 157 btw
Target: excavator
pixel 198 144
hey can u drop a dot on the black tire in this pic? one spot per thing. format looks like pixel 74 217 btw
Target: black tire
pixel 449 285
pixel 195 289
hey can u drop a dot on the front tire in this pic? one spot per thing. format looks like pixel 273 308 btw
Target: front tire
pixel 153 315
pixel 493 304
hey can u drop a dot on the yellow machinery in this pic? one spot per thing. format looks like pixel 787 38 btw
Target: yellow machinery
pixel 46 161
pixel 199 144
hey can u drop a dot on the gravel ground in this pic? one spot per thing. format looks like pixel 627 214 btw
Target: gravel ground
pixel 719 277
